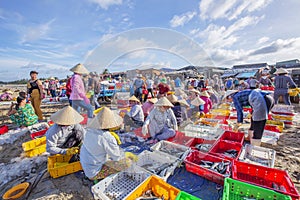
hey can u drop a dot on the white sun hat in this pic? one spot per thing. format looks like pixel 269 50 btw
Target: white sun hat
pixel 66 116
pixel 229 92
pixel 106 119
pixel 79 69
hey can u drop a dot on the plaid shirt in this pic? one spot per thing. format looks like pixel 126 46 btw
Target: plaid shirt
pixel 240 100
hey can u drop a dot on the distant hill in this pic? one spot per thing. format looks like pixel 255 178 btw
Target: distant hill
pixel 164 69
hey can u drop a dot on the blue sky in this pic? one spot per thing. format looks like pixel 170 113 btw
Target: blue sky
pixel 51 36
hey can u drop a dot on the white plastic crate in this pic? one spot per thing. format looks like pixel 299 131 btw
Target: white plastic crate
pixel 280 108
pixel 204 132
pixel 258 155
pixel 152 161
pixel 119 185
pixel 170 148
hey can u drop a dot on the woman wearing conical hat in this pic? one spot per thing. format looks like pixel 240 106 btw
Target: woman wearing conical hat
pixel 208 104
pixel 100 154
pixel 148 106
pixel 282 84
pixel 161 120
pixel 78 92
pixel 135 117
pixel 66 134
pixel 179 109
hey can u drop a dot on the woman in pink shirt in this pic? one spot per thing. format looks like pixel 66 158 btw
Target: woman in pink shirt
pixel 208 104
pixel 77 95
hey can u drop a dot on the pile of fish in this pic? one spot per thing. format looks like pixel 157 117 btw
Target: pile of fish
pixel 160 170
pixel 203 147
pixel 219 167
pixel 149 195
pixel 172 151
pixel 232 153
pixel 34 129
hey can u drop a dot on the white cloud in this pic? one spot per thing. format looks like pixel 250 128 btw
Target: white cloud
pixel 263 40
pixel 33 33
pixel 229 9
pixel 221 36
pixel 106 3
pixel 182 19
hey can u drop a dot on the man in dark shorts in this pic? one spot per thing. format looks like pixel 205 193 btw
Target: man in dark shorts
pixel 261 103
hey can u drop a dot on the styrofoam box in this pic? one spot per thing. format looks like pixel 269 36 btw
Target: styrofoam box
pixel 147 159
pixel 170 148
pixel 204 132
pixel 41 126
pixel 118 186
pixel 258 155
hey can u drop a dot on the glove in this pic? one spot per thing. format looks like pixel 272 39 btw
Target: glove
pixel 72 150
pixel 144 130
pixel 131 156
pixel 116 137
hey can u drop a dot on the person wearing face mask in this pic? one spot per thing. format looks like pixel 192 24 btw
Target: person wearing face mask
pixel 161 121
pixel 65 136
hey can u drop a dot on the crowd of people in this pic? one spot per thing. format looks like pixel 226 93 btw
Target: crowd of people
pixel 158 107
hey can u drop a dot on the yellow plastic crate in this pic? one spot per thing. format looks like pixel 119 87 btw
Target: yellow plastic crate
pixel 158 186
pixel 36 151
pixel 225 106
pixel 224 112
pixel 30 145
pixel 293 92
pixel 282 117
pixel 56 169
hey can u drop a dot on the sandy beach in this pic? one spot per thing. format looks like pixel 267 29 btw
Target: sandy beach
pixel 15 168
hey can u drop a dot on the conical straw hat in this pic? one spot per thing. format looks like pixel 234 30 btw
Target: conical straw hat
pixel 281 71
pixel 133 98
pixel 172 98
pixel 66 116
pixel 197 102
pixel 179 92
pixel 183 102
pixel 228 93
pixel 194 90
pixel 205 94
pixel 163 101
pixel 153 100
pixel 106 119
pixel 79 69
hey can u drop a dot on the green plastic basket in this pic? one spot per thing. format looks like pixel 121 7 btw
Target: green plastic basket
pixel 186 196
pixel 237 190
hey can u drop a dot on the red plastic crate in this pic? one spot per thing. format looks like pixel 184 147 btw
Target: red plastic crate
pixel 233 137
pixel 267 88
pixel 196 141
pixel 180 138
pixel 3 129
pixel 38 134
pixel 222 145
pixel 265 177
pixel 192 164
pixel 271 127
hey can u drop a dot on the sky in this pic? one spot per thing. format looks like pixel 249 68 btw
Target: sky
pixel 52 36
